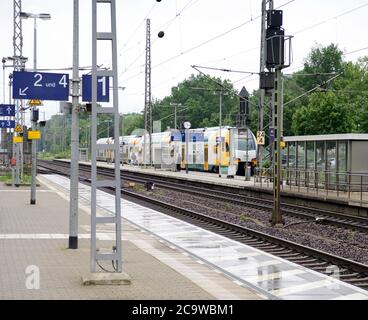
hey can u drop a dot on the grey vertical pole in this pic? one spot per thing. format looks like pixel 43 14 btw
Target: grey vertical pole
pixel 262 91
pixel 34 122
pixel 4 80
pixel 176 124
pixel 23 120
pixel 35 44
pixel 94 137
pixel 220 143
pixel 186 150
pixel 74 164
pixel 276 213
pixel 247 175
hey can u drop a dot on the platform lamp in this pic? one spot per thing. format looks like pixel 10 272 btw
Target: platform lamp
pixel 34 114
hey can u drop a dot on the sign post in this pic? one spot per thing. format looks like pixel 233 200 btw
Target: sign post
pixel 261 138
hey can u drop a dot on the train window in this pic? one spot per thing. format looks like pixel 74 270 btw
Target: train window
pixel 227 147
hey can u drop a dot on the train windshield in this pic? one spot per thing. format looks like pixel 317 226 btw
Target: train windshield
pixel 244 146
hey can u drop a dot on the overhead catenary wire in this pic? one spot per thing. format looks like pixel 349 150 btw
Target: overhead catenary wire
pixel 226 70
pixel 300 31
pixel 139 25
pixel 313 89
pixel 209 40
pixel 332 18
pixel 164 27
pixel 223 87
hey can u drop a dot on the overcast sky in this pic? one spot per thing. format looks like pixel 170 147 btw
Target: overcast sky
pixel 189 26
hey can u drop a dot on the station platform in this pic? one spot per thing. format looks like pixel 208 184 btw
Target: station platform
pixel 357 199
pixel 34 240
pixel 270 276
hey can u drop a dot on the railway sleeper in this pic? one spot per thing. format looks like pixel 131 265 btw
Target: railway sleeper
pixel 303 260
pixel 358 280
pixel 289 255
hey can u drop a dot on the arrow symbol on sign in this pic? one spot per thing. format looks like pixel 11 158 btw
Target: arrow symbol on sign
pixel 23 92
pixel 9 110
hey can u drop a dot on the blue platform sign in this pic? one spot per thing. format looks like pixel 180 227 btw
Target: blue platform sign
pixel 196 136
pixel 42 86
pixel 272 134
pixel 176 136
pixel 7 110
pixel 103 88
pixel 7 124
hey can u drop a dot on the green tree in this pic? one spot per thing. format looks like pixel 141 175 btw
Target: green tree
pixel 320 60
pixel 324 114
pixel 199 101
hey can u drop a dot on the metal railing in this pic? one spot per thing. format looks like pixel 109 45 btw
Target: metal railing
pixel 351 185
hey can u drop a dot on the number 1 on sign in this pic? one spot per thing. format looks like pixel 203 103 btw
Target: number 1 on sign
pixel 103 81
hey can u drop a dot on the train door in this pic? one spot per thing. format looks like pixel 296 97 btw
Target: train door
pixel 205 167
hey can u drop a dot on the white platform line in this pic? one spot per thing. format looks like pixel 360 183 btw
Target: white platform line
pixel 353 296
pixel 302 287
pixel 52 236
pixel 275 276
pixel 251 265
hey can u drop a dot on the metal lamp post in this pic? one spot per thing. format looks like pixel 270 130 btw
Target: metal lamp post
pixel 108 127
pixel 187 126
pixel 34 118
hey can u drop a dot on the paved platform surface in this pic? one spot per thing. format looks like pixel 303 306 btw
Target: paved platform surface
pixel 354 198
pixel 276 278
pixel 34 238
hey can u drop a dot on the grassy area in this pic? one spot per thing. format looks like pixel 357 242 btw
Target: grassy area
pixel 51 156
pixel 8 179
pixel 5 178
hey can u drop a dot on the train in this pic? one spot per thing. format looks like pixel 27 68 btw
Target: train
pixel 209 149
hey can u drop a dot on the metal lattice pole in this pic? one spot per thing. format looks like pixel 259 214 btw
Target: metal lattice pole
pixel 18 65
pixel 148 98
pixel 115 255
pixel 262 113
pixel 277 116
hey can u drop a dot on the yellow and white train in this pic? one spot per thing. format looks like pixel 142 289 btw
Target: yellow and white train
pixel 208 149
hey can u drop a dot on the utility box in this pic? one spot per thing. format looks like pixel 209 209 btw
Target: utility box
pixel 275 47
pixel 274 18
pixel 65 108
pixel 35 115
pixel 267 80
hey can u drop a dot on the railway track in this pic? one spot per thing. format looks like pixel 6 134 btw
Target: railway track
pixel 201 189
pixel 349 271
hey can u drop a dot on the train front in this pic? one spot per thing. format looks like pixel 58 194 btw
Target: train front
pixel 245 150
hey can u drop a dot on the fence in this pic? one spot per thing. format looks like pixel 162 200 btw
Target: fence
pixel 353 185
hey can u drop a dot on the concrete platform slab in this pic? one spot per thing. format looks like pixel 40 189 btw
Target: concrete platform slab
pixel 36 264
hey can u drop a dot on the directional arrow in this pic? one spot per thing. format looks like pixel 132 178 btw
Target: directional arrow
pixel 7 124
pixel 23 92
pixel 7 110
pixel 40 85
